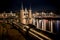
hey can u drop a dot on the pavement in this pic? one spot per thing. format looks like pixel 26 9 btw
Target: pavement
pixel 7 33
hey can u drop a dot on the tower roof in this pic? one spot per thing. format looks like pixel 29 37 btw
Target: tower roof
pixel 22 5
pixel 30 6
pixel 26 10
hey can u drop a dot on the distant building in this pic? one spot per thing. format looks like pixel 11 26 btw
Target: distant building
pixel 7 16
pixel 46 21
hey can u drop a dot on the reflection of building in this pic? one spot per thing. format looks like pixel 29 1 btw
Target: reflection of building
pixel 47 21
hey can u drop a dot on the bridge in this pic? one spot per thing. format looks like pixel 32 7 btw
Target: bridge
pixel 31 33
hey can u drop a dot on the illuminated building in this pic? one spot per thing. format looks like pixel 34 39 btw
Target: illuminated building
pixel 25 16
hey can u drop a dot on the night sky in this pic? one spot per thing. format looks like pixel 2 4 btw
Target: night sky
pixel 41 5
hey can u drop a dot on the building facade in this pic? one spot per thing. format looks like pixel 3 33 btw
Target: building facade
pixel 25 16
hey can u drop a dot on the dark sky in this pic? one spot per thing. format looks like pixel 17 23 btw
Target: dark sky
pixel 7 5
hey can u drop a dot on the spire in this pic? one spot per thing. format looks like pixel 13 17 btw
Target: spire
pixel 26 10
pixel 22 5
pixel 30 6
